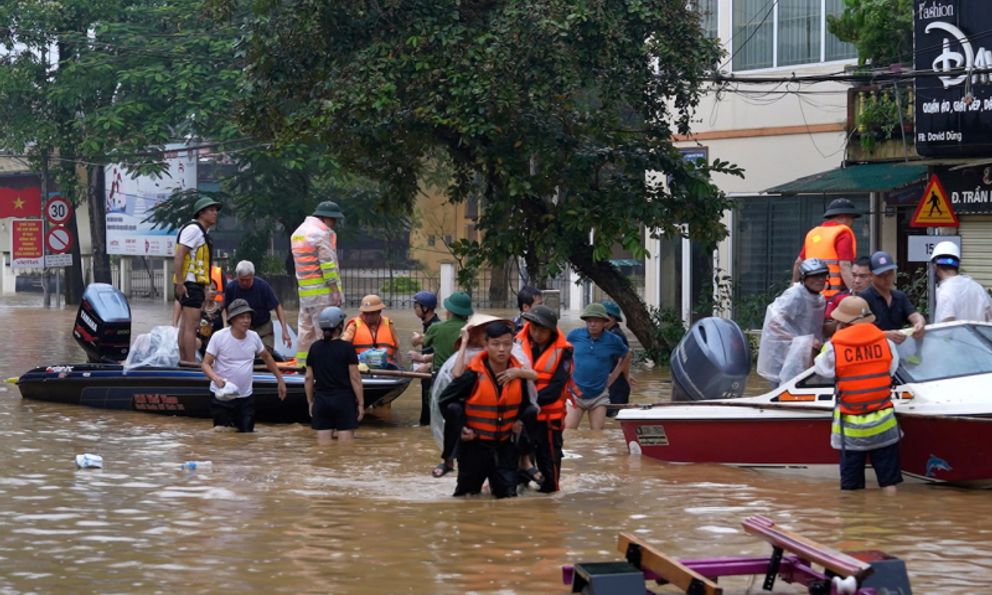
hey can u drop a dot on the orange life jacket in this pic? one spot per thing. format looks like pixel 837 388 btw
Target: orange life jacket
pixel 545 367
pixel 862 366
pixel 489 411
pixel 365 339
pixel 821 242
pixel 218 279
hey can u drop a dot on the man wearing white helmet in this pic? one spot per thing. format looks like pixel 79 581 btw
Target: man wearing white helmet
pixel 797 312
pixel 959 297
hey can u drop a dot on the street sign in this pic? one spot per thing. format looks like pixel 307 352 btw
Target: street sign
pixel 58 240
pixel 55 261
pixel 921 247
pixel 58 210
pixel 934 209
pixel 25 244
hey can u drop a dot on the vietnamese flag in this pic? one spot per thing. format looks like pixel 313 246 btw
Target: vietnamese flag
pixel 24 202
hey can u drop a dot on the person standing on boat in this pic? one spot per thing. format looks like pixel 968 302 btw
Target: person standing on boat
pixel 834 243
pixel 493 393
pixel 333 383
pixel 599 359
pixel 550 356
pixel 372 334
pixel 192 266
pixel 959 297
pixel 259 295
pixel 862 360
pixel 861 277
pixel 796 313
pixel 620 389
pixel 892 309
pixel 315 255
pixel 424 308
pixel 229 364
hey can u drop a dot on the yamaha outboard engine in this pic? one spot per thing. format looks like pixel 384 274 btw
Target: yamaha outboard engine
pixel 711 361
pixel 103 324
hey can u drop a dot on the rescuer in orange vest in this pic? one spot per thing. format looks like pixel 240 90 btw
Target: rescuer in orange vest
pixel 551 357
pixel 315 256
pixel 494 395
pixel 834 243
pixel 372 331
pixel 862 360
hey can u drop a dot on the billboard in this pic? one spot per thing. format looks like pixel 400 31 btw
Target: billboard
pixel 954 71
pixel 131 199
pixel 26 250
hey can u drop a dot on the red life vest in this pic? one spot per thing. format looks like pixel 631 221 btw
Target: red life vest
pixel 821 242
pixel 489 411
pixel 545 367
pixel 383 337
pixel 863 358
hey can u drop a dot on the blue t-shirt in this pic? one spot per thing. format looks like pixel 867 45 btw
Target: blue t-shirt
pixel 260 297
pixel 594 360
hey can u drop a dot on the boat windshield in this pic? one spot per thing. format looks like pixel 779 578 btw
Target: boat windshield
pixel 946 353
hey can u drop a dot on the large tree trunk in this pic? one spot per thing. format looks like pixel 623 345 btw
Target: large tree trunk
pixel 74 273
pixel 498 282
pixel 98 229
pixel 611 280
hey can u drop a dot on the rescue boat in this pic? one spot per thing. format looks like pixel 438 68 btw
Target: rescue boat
pixel 940 395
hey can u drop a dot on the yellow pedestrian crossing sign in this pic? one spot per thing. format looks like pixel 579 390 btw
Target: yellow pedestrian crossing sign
pixel 935 209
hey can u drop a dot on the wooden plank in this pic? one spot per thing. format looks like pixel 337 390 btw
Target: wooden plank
pixel 671 570
pixel 833 560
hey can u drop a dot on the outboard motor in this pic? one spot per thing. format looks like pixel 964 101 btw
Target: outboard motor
pixel 711 361
pixel 103 324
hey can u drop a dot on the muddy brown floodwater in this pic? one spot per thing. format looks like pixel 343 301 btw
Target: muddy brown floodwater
pixel 277 513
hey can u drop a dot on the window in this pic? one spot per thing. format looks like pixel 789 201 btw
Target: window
pixel 769 33
pixel 708 11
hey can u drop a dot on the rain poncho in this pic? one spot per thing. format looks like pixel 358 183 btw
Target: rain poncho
pixel 962 298
pixel 158 348
pixel 794 314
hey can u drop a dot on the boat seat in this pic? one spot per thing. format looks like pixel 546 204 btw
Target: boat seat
pixel 644 557
pixel 833 561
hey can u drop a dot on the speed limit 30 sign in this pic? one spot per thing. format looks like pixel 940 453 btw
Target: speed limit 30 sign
pixel 58 210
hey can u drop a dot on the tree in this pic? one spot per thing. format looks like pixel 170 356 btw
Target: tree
pixel 553 113
pixel 881 30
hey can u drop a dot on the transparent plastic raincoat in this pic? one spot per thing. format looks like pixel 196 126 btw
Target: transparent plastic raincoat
pixel 795 315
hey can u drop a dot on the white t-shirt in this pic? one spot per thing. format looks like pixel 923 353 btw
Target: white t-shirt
pixel 962 298
pixel 192 237
pixel 234 358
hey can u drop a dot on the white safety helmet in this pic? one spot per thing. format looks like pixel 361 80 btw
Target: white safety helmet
pixel 946 253
pixel 813 266
pixel 330 318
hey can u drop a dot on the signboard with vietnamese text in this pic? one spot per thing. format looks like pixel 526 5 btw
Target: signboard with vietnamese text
pixel 26 250
pixel 969 188
pixel 953 84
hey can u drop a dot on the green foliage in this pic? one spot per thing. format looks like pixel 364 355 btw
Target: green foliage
pixel 668 329
pixel 400 285
pixel 881 30
pixel 914 285
pixel 253 246
pixel 880 116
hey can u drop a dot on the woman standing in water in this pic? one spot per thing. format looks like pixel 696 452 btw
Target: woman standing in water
pixel 333 383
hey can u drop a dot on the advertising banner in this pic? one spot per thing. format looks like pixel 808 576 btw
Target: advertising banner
pixel 952 56
pixel 132 199
pixel 26 251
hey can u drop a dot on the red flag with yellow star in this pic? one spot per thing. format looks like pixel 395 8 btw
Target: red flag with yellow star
pixel 22 202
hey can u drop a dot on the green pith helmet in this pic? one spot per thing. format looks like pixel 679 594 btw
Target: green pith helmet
pixel 203 203
pixel 329 209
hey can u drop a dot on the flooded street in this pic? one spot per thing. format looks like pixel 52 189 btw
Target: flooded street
pixel 277 513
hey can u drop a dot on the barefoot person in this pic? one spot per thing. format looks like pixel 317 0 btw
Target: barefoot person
pixel 192 272
pixel 333 384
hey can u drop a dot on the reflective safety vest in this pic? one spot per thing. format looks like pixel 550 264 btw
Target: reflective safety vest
pixel 545 367
pixel 490 412
pixel 195 262
pixel 365 339
pixel 821 242
pixel 864 388
pixel 314 277
pixel 217 277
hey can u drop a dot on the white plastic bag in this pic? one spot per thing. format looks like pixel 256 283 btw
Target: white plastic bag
pixel 798 358
pixel 156 349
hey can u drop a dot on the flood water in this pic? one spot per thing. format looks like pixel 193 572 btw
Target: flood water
pixel 278 513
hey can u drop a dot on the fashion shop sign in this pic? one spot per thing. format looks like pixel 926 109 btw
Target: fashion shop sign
pixel 953 64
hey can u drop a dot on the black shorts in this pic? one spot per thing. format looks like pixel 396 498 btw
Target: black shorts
pixel 334 412
pixel 885 462
pixel 195 295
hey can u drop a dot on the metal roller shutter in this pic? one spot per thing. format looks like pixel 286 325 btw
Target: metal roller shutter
pixel 976 247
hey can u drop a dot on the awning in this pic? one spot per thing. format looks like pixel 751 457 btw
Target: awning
pixel 869 177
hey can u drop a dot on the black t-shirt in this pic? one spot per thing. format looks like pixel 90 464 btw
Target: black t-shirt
pixel 889 317
pixel 330 361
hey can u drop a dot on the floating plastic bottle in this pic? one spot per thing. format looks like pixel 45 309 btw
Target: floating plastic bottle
pixel 89 461
pixel 195 465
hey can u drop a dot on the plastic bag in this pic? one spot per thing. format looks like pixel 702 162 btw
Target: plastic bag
pixel 156 349
pixel 798 358
pixel 374 358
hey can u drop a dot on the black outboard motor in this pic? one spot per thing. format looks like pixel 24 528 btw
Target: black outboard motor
pixel 711 361
pixel 103 324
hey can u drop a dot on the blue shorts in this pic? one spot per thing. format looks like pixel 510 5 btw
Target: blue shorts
pixel 334 411
pixel 885 461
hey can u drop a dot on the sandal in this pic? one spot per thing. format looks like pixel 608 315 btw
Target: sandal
pixel 441 470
